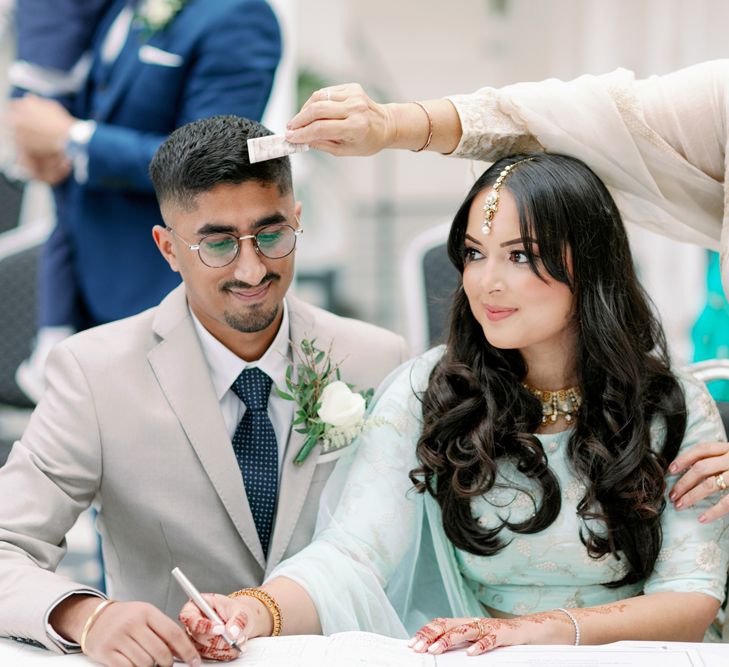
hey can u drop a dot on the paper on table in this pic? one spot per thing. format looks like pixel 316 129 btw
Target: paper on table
pixel 342 648
pixel 609 655
pixel 362 648
pixel 272 146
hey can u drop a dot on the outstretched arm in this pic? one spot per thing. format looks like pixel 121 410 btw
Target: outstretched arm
pixel 660 617
pixel 344 120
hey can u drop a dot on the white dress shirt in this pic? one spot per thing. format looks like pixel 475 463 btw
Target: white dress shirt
pixel 225 367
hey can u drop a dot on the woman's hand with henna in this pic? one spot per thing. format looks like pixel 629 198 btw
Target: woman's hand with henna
pixel 208 637
pixel 484 634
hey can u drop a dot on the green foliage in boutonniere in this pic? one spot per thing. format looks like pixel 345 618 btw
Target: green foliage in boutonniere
pixel 154 15
pixel 327 408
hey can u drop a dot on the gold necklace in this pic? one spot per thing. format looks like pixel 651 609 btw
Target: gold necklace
pixel 555 404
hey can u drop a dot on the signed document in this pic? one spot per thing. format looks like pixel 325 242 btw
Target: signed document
pixel 362 648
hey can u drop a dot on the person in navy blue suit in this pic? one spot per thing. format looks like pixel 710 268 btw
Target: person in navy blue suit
pixel 52 60
pixel 153 69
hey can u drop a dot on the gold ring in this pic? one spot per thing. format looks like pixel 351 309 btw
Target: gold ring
pixel 719 479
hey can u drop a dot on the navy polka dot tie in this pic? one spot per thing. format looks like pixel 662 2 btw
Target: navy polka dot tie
pixel 255 447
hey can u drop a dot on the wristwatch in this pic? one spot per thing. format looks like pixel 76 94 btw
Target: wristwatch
pixel 79 135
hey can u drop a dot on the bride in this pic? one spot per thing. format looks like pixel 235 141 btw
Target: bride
pixel 515 489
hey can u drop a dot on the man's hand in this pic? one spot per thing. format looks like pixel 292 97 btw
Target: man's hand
pixel 125 634
pixel 52 169
pixel 40 125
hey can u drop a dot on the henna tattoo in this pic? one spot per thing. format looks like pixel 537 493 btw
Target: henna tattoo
pixel 483 645
pixel 215 648
pixel 430 632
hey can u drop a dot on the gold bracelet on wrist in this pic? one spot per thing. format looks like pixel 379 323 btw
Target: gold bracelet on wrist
pixel 267 601
pixel 91 620
pixel 430 128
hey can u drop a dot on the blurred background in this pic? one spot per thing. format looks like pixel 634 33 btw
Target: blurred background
pixel 363 215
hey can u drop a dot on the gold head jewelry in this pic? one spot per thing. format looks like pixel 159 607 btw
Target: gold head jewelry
pixel 491 204
pixel 555 404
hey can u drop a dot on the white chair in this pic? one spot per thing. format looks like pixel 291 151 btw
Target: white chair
pixel 429 281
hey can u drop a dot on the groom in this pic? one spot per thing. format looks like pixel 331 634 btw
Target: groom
pixel 170 420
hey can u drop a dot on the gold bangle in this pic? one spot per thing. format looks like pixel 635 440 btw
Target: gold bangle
pixel 430 128
pixel 91 620
pixel 267 601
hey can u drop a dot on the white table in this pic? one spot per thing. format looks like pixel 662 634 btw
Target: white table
pixel 278 652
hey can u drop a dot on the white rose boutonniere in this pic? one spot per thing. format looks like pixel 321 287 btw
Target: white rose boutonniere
pixel 154 15
pixel 328 410
pixel 340 406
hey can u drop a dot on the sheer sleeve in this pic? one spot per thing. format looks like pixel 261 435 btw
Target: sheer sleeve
pixel 370 517
pixel 659 144
pixel 693 556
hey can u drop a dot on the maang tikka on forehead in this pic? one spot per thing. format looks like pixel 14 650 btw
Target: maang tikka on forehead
pixel 491 204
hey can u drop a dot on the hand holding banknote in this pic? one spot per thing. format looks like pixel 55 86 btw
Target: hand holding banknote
pixel 271 147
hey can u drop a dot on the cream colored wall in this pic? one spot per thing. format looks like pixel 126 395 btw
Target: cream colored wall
pixel 365 210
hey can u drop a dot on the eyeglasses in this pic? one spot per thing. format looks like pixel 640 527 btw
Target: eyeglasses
pixel 220 249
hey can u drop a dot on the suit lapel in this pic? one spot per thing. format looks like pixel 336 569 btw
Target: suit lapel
pixel 122 72
pixel 295 479
pixel 183 374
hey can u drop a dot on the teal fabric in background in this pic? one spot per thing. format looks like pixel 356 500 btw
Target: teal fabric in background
pixel 710 334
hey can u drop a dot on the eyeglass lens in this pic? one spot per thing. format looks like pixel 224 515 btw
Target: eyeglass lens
pixel 274 241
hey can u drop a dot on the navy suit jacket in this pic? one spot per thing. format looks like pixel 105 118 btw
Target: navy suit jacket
pixel 212 58
pixel 56 34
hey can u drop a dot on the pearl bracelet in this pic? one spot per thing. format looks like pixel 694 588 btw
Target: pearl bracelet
pixel 574 622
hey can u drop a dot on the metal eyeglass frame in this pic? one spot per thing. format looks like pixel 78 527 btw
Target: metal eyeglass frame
pixel 196 246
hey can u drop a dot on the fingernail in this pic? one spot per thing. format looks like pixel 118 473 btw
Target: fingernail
pixel 288 134
pixel 679 505
pixel 471 650
pixel 434 648
pixel 673 468
pixel 288 125
pixel 195 662
pixel 234 632
pixel 419 646
pixel 703 519
pixel 218 629
pixel 673 495
pixel 411 643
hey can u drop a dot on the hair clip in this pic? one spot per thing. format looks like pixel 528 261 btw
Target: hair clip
pixel 491 204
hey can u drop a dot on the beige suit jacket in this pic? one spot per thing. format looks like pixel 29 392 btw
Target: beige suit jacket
pixel 130 420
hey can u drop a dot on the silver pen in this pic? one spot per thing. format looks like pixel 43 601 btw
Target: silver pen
pixel 202 605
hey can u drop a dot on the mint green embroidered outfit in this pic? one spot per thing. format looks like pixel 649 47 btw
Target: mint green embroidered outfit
pixel 381 561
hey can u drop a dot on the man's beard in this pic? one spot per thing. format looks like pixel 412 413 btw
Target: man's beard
pixel 256 318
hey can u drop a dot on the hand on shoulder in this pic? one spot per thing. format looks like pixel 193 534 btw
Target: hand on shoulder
pixel 705 469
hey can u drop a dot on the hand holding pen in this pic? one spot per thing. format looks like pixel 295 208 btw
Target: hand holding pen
pixel 224 637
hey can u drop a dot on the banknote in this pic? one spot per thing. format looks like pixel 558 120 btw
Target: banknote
pixel 272 146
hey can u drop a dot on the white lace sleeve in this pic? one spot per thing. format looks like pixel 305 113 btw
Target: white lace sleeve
pixel 658 144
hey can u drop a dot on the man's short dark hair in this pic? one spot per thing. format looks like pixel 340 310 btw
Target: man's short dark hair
pixel 200 155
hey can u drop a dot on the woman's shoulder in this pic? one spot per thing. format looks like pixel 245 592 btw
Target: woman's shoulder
pixel 414 374
pixel 701 410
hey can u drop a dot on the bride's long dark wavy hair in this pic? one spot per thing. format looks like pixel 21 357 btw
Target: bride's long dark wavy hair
pixel 476 411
